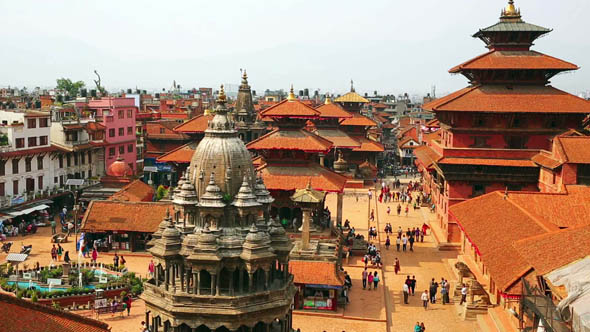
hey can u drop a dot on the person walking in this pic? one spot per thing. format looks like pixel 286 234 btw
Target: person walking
pixel 463 294
pixel 370 280
pixel 116 261
pixel 443 292
pixel 387 243
pixel 396 266
pixel 375 280
pixel 404 242
pixel 365 275
pixel 417 327
pixel 421 236
pixel 433 290
pixel 54 253
pixel 407 210
pixel 422 327
pixel 94 255
pixel 399 209
pixel 67 257
pixel 151 268
pixel 413 284
pixel 411 243
pixel 424 299
pixel 388 210
pixel 60 252
pixel 397 242
pixel 53 224
pixel 406 291
pixel 127 301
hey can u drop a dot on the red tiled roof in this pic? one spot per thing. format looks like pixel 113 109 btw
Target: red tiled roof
pixel 576 149
pixel 368 145
pixel 291 139
pixel 545 159
pixel 198 124
pixel 124 216
pixel 333 111
pixel 315 273
pixel 358 120
pixel 182 154
pixel 429 137
pixel 24 316
pixel 514 60
pixel 426 155
pixel 297 176
pixel 338 138
pixel 518 98
pixel 26 152
pixel 487 162
pixel 136 191
pixel 433 123
pixel 290 109
pixel 258 161
pixel 404 143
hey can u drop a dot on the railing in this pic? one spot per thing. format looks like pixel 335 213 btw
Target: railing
pixel 8 200
pixel 78 142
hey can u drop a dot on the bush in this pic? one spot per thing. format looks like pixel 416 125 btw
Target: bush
pixel 20 293
pixel 34 297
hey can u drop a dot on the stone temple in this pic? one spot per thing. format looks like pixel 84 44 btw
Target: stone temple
pixel 222 264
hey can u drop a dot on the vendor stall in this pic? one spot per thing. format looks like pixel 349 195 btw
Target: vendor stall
pixel 318 284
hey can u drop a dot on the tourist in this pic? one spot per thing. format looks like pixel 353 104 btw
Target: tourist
pixel 122 261
pixel 399 231
pixel 399 209
pixel 448 289
pixel 404 242
pixel 151 268
pixel 417 327
pixel 347 280
pixel 463 294
pixel 411 242
pixel 443 291
pixel 60 251
pixel 370 193
pixel 396 266
pixel 114 305
pixel 407 210
pixel 365 275
pixel 388 210
pixel 53 224
pixel 422 327
pixel 127 302
pixel 375 280
pixel 425 228
pixel 413 284
pixel 406 290
pixel 54 253
pixel 370 280
pixel 387 243
pixel 372 217
pixel 94 255
pixel 397 243
pixel 421 236
pixel 433 290
pixel 424 299
pixel 67 257
pixel 116 261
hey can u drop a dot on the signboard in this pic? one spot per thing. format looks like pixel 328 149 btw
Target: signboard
pixel 18 199
pixel 26 275
pixel 102 280
pixel 52 281
pixel 163 167
pixel 152 169
pixel 100 303
pixel 75 182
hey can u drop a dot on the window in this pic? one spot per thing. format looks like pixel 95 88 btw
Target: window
pixel 20 143
pixel 129 113
pixel 39 163
pixel 2 167
pixel 112 132
pixel 83 175
pixel 43 140
pixel 32 141
pixel 111 152
pixel 32 123
pixel 82 158
pixel 121 131
pixel 55 180
pixel 2 193
pixel 122 149
pixel 30 185
pixel 89 157
pixel 28 164
pixel 43 123
pixel 14 187
pixel 40 182
pixel 69 160
pixel 478 190
pixel 583 175
pixel 89 173
pixel 75 159
pixel 480 142
pixel 130 148
pixel 121 114
pixel 61 161
pixel 162 131
pixel 129 130
pixel 15 166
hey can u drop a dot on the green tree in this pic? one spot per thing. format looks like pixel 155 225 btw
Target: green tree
pixel 70 87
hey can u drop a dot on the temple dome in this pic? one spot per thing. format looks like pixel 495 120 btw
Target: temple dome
pixel 119 168
pixel 222 153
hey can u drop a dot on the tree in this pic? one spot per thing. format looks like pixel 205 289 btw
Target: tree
pixel 70 87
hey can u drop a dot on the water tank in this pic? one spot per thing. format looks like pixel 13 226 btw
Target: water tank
pixel 306 92
pixel 83 93
pixel 93 93
pixel 129 91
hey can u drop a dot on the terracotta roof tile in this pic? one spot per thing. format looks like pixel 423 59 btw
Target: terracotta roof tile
pixel 351 97
pixel 487 162
pixel 124 216
pixel 426 155
pixel 546 160
pixel 315 273
pixel 297 176
pixel 198 124
pixel 514 60
pixel 576 149
pixel 24 316
pixel 368 145
pixel 136 191
pixel 182 154
pixel 522 99
pixel 358 120
pixel 290 109
pixel 34 151
pixel 258 161
pixel 338 138
pixel 333 111
pixel 291 139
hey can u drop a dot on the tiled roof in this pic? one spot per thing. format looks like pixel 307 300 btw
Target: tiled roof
pixel 429 137
pixel 198 124
pixel 290 109
pixel 24 316
pixel 338 138
pixel 182 154
pixel 404 143
pixel 297 176
pixel 514 60
pixel 487 162
pixel 546 160
pixel 433 123
pixel 576 149
pixel 492 223
pixel 291 139
pixel 518 98
pixel 34 151
pixel 368 145
pixel 547 252
pixel 315 273
pixel 136 191
pixel 333 111
pixel 124 216
pixel 258 161
pixel 426 155
pixel 358 120
pixel 351 97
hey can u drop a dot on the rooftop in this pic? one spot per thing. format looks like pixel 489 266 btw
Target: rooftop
pixel 124 216
pixel 291 139
pixel 198 124
pixel 182 154
pixel 514 60
pixel 298 175
pixel 136 191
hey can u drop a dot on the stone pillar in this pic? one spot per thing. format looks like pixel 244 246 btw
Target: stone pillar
pixel 266 283
pixel 322 157
pixel 286 271
pixel 167 276
pixel 218 284
pixel 174 270
pixel 250 282
pixel 231 283
pixel 339 204
pixel 213 284
pixel 196 281
pixel 305 230
pixel 241 281
pixel 157 275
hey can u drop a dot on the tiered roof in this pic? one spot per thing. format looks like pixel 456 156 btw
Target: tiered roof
pixel 566 149
pixel 142 217
pixel 339 139
pixel 331 110
pixel 368 145
pixel 358 120
pixel 196 125
pixel 182 154
pixel 290 108
pixel 324 273
pixel 136 191
pixel 292 176
pixel 291 139
pixel 351 97
pixel 514 60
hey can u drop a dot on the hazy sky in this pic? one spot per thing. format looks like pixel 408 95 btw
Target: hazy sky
pixel 391 46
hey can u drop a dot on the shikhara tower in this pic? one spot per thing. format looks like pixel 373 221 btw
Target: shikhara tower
pixel 221 263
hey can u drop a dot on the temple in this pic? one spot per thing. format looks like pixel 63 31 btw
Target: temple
pixel 222 264
pixel 247 123
pixel 492 129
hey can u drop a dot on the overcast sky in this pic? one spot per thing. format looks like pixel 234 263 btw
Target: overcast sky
pixel 391 46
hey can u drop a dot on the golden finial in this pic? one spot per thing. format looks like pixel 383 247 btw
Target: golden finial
pixel 221 96
pixel 351 86
pixel 291 95
pixel 510 11
pixel 328 100
pixel 244 75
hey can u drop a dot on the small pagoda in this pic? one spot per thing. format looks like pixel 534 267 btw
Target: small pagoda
pixel 247 122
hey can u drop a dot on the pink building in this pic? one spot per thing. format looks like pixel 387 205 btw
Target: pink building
pixel 118 116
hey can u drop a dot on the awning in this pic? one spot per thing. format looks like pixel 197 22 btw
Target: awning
pixel 28 209
pixel 17 258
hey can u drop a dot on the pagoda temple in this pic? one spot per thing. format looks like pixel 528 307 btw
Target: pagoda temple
pixel 247 123
pixel 222 264
pixel 491 129
pixel 294 157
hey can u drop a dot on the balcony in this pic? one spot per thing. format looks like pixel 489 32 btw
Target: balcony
pixel 77 142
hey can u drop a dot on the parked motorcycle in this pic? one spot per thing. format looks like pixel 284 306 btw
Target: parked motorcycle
pixel 26 249
pixel 6 247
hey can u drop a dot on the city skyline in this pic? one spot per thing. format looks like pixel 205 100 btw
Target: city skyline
pixel 394 47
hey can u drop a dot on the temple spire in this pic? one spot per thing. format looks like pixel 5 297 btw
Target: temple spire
pixel 352 86
pixel 291 94
pixel 221 99
pixel 244 77
pixel 328 100
pixel 510 11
